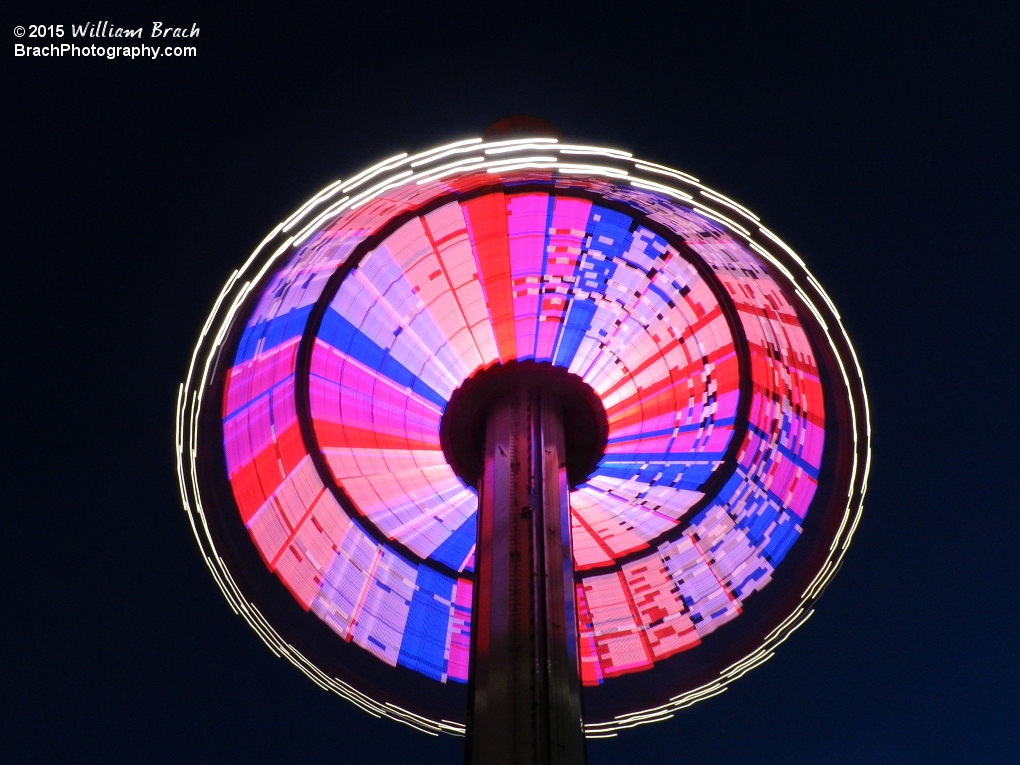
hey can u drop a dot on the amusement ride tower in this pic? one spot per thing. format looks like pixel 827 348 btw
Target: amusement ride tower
pixel 491 434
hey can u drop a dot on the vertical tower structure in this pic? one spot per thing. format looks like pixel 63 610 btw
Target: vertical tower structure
pixel 524 698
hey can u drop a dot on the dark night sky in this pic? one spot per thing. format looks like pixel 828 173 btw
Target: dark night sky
pixel 880 143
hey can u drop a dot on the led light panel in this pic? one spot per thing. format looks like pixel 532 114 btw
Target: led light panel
pixel 391 291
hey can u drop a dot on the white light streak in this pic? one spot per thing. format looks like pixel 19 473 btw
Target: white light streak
pixel 782 244
pixel 330 212
pixel 370 194
pixel 818 577
pixel 506 163
pixel 379 186
pixel 251 259
pixel 520 142
pixel 825 297
pixel 532 165
pixel 653 186
pixel 520 147
pixel 720 218
pixel 448 169
pixel 319 198
pixel 445 154
pixel 807 301
pixel 373 171
pixel 662 170
pixel 771 259
pixel 598 150
pixel 415 160
pixel 716 197
pixel 575 169
pixel 749 667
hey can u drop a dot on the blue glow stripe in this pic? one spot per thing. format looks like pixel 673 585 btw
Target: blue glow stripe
pixel 760 515
pixel 655 254
pixel 642 458
pixel 748 582
pixel 679 475
pixel 754 484
pixel 613 225
pixel 550 206
pixel 572 332
pixel 423 646
pixel 344 336
pixel 276 331
pixel 721 423
pixel 666 299
pixel 782 539
pixel 807 467
pixel 769 526
pixel 454 551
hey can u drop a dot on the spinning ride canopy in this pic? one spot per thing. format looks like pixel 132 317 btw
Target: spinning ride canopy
pixel 735 418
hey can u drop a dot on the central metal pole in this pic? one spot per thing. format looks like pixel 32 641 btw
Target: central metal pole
pixel 524 689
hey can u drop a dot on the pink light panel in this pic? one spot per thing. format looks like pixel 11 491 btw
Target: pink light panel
pixel 555 277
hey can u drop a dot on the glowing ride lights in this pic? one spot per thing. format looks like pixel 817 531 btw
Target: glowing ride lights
pixel 340 387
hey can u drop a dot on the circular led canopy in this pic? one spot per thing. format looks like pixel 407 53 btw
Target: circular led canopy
pixel 326 428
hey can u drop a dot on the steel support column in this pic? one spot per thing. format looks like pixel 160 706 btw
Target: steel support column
pixel 524 691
